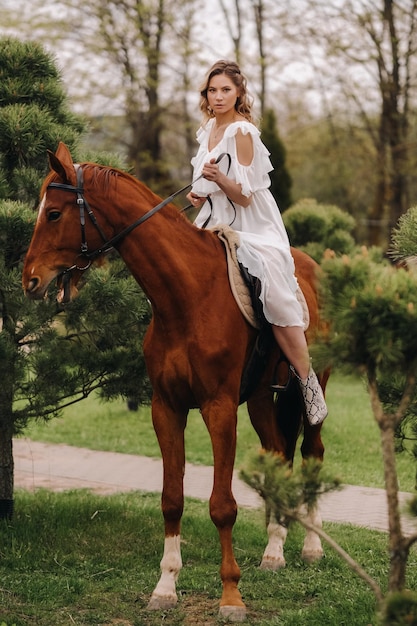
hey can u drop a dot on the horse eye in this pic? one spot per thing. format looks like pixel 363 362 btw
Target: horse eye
pixel 53 216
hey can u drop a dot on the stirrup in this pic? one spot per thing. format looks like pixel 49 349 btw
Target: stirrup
pixel 313 397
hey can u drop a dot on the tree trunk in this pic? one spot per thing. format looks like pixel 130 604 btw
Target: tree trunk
pixel 376 214
pixel 397 546
pixel 7 386
pixel 398 551
pixel 391 195
pixel 6 470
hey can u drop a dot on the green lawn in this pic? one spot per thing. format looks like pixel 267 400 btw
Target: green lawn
pixel 76 558
pixel 350 434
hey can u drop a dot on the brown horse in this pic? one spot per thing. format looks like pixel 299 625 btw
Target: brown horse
pixel 196 347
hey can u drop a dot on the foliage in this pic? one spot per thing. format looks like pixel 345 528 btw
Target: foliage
pixel 33 116
pixel 372 307
pixel 404 238
pixel 330 160
pixel 95 344
pixel 285 490
pixel 280 178
pixel 400 609
pixel 315 227
pixel 368 43
pixel 404 251
pixel 51 357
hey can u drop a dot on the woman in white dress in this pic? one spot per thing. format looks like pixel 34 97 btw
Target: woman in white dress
pixel 237 193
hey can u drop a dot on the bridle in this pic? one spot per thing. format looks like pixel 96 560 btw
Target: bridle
pixel 108 244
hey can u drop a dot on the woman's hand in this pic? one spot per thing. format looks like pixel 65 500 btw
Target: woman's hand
pixel 233 190
pixel 211 171
pixel 196 200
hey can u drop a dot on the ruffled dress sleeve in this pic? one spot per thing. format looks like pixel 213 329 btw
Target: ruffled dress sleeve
pixel 251 177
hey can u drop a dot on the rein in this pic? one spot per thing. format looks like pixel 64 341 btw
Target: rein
pixel 110 243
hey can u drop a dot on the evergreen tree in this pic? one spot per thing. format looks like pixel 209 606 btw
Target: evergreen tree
pixel 33 117
pixel 50 357
pixel 280 178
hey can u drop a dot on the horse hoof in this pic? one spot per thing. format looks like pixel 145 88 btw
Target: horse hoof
pixel 272 564
pixel 161 603
pixel 233 613
pixel 311 556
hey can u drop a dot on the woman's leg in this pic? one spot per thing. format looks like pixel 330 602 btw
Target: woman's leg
pixel 292 342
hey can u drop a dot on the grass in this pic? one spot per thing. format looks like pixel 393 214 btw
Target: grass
pixel 79 558
pixel 82 559
pixel 350 434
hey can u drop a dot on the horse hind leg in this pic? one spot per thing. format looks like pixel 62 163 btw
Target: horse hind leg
pixel 312 548
pixel 312 551
pixel 289 406
pixel 273 557
pixel 312 447
pixel 280 433
pixel 262 413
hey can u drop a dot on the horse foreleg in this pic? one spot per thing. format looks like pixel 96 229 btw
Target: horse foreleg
pixel 164 595
pixel 169 428
pixel 223 508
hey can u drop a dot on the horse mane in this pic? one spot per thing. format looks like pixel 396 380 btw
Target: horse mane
pixel 102 177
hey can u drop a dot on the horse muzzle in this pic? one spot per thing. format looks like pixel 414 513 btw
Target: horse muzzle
pixel 37 289
pixel 34 288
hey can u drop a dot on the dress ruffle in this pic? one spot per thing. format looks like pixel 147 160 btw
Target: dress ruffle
pixel 251 177
pixel 264 249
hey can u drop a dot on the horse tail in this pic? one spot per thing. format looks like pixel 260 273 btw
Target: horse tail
pixel 289 416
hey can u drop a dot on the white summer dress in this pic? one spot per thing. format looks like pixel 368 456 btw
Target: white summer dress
pixel 264 246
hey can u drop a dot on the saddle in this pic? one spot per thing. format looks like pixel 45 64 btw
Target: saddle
pixel 245 287
pixel 241 282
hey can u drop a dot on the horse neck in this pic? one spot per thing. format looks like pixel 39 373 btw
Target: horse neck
pixel 171 259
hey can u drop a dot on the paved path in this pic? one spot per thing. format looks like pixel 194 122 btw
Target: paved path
pixel 61 467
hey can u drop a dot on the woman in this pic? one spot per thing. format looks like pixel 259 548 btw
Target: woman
pixel 237 193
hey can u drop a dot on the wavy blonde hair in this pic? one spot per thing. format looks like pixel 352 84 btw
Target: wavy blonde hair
pixel 231 70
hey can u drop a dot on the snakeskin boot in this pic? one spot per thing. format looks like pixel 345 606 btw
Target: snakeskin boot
pixel 314 402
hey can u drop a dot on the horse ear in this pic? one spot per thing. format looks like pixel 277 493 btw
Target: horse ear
pixel 61 162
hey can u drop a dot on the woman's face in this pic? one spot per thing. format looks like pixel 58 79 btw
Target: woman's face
pixel 222 94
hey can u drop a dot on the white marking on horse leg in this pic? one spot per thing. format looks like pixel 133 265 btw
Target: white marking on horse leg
pixel 312 548
pixel 273 557
pixel 164 595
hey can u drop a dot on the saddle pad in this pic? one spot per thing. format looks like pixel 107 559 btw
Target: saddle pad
pixel 240 290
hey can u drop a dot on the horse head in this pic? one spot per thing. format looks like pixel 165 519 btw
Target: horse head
pixel 56 248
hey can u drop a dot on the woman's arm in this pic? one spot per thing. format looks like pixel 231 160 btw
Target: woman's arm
pixel 233 190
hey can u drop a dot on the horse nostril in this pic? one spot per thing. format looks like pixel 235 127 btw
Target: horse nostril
pixel 32 284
